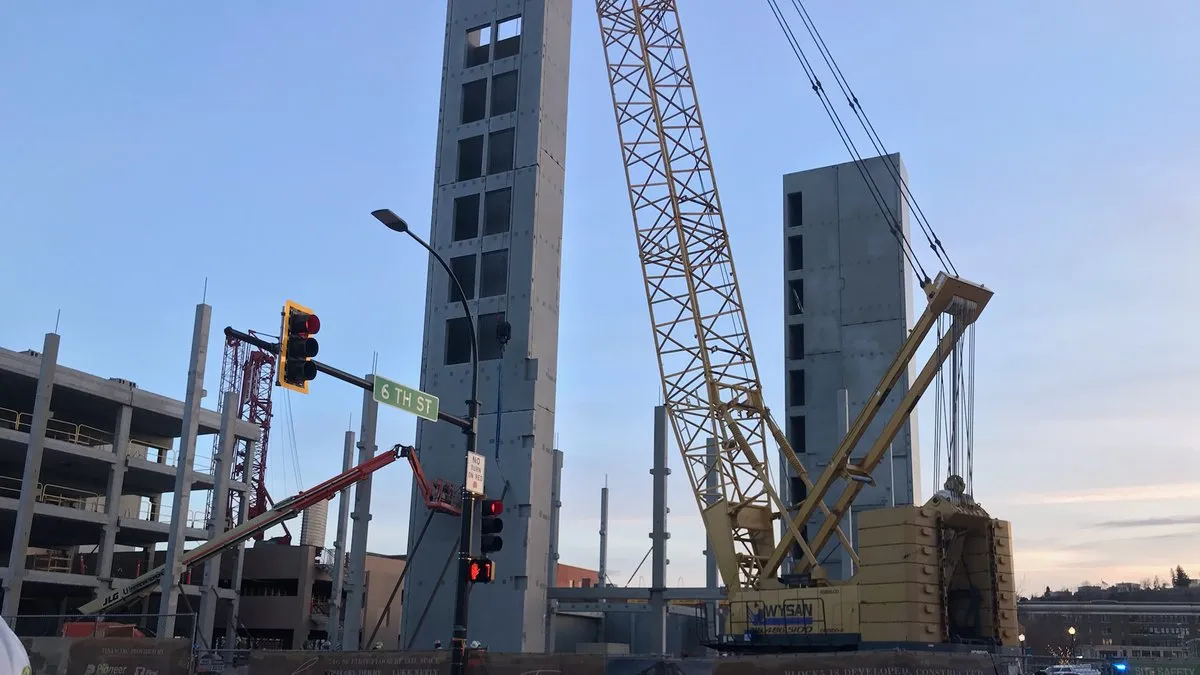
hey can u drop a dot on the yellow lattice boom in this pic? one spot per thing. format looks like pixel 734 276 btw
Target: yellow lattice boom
pixel 711 384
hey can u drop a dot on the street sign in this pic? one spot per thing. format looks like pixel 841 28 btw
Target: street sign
pixel 475 464
pixel 406 398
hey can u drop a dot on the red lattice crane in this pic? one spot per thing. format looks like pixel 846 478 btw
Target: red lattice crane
pixel 250 372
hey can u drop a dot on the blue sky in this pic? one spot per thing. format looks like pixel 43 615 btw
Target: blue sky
pixel 148 147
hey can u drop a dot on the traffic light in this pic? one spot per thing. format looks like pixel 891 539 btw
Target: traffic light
pixel 491 526
pixel 297 347
pixel 481 571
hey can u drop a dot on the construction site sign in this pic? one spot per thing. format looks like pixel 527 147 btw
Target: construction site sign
pixel 405 398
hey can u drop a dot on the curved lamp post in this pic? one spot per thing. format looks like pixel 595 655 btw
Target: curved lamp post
pixel 458 643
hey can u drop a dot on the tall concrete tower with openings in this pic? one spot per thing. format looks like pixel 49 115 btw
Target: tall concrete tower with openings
pixel 497 217
pixel 848 290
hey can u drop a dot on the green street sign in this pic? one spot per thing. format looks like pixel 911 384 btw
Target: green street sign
pixel 406 398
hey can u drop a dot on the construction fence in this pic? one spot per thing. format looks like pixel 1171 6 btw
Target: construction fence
pixel 485 663
pixel 155 656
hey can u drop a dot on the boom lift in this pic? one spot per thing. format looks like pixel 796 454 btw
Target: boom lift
pixel 283 510
pixel 924 572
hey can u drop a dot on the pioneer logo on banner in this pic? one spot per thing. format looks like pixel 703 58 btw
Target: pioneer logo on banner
pixel 128 656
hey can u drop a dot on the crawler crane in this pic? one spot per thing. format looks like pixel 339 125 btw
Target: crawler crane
pixel 936 575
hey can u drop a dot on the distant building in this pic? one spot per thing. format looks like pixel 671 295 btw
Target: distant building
pixel 286 595
pixel 848 308
pixel 1104 629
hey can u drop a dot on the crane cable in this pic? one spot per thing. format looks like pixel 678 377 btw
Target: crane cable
pixel 935 243
pixel 957 410
pixel 815 83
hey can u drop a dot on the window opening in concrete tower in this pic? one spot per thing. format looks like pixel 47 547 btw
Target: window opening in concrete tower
pixel 493 273
pixel 796 433
pixel 504 93
pixel 474 101
pixel 464 268
pixel 497 211
pixel 500 150
pixel 458 341
pixel 466 217
pixel 796 387
pixel 795 208
pixel 479 46
pixel 470 158
pixel 795 297
pixel 796 252
pixel 508 37
pixel 796 341
pixel 490 347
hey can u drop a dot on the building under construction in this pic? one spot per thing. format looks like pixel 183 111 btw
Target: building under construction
pixel 89 473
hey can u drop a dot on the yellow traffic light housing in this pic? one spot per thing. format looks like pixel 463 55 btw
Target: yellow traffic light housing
pixel 297 347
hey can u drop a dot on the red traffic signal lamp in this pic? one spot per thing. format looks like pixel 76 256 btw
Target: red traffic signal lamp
pixel 481 571
pixel 491 526
pixel 297 347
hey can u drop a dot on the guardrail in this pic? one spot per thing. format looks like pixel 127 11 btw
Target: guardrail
pixel 98 439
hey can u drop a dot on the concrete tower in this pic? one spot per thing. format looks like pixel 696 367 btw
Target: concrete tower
pixel 497 217
pixel 847 310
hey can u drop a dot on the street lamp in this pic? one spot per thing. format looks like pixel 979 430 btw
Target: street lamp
pixel 458 642
pixel 1071 649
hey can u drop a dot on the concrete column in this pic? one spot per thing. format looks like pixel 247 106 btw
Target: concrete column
pixel 659 535
pixel 336 599
pixel 355 586
pixel 29 482
pixel 112 499
pixel 552 567
pixel 232 623
pixel 712 580
pixel 222 468
pixel 169 597
pixel 843 413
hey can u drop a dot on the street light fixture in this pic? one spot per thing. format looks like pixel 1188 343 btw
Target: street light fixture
pixel 458 643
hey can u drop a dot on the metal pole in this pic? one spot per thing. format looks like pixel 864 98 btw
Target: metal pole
pixel 711 578
pixel 892 474
pixel 339 546
pixel 843 412
pixel 659 536
pixel 355 588
pixel 552 566
pixel 603 566
pixel 458 643
pixel 168 595
pixel 361 383
pixel 29 485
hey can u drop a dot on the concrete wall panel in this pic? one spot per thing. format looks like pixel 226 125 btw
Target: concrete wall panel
pixel 856 313
pixel 508 615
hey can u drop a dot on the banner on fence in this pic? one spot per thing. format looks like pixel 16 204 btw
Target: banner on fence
pixel 128 656
pixel 437 663
pixel 861 663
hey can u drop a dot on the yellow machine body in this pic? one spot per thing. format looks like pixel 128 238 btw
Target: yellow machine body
pixel 941 573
